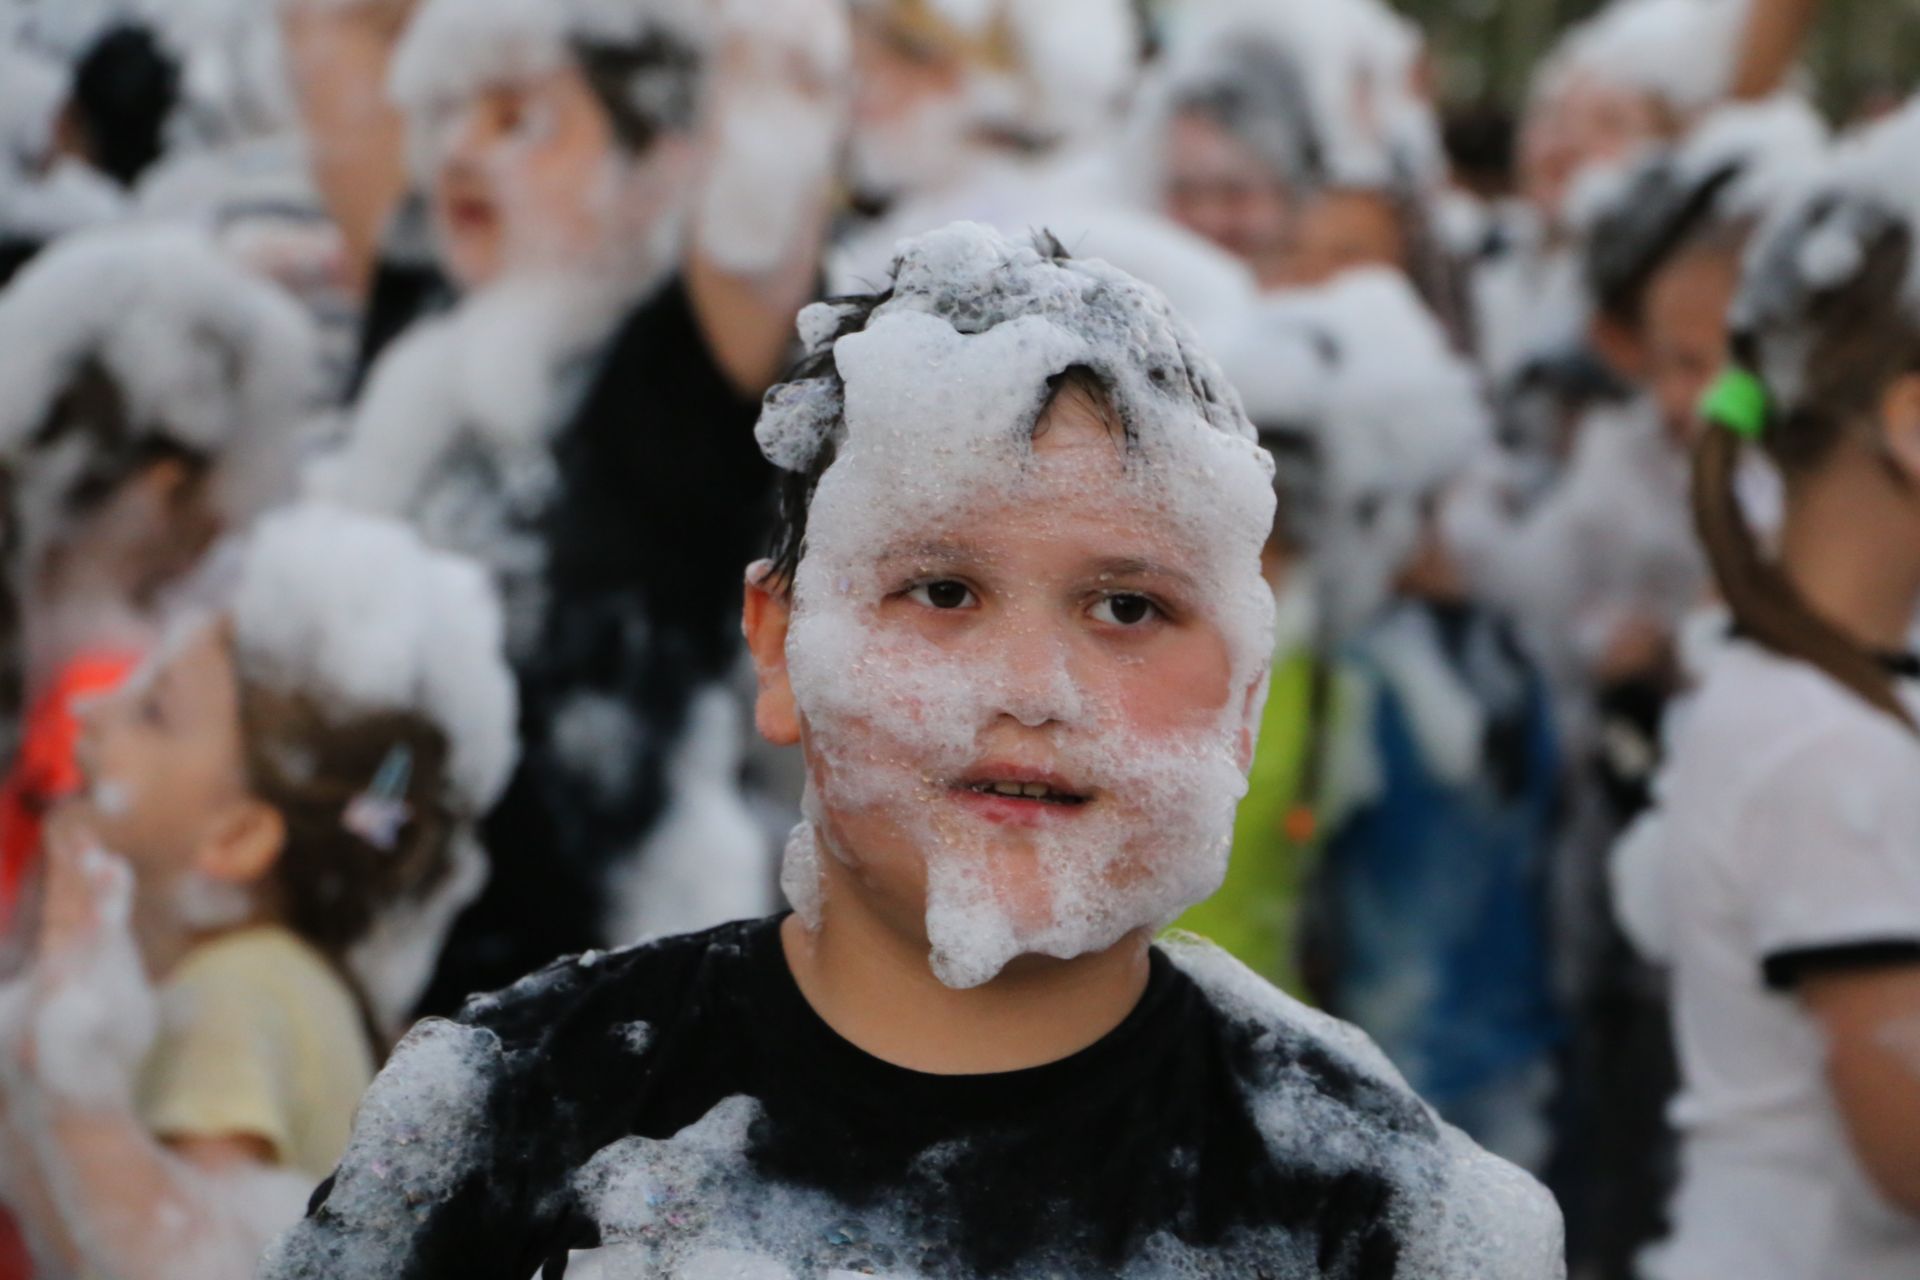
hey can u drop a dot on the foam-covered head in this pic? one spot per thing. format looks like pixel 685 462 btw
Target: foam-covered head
pixel 1031 560
pixel 1235 143
pixel 1829 304
pixel 936 74
pixel 1634 73
pixel 357 614
pixel 1726 174
pixel 552 133
pixel 120 346
pixel 1357 384
pixel 1356 65
pixel 1680 53
pixel 314 745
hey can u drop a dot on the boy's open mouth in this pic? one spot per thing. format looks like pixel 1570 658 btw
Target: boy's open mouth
pixel 1026 791
pixel 1022 786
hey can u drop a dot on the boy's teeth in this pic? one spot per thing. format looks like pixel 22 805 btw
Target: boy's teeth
pixel 1018 790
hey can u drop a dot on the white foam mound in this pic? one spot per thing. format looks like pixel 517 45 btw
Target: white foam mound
pixel 1072 62
pixel 1359 62
pixel 1821 241
pixel 420 1133
pixel 1682 52
pixel 1362 368
pixel 360 615
pixel 455 48
pixel 207 356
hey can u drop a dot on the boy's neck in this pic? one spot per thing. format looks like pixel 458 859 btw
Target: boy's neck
pixel 876 989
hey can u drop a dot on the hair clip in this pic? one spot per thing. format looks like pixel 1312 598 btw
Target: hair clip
pixel 377 814
pixel 1738 401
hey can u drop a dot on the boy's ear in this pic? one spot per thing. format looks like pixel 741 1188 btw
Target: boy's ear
pixel 243 843
pixel 1900 423
pixel 768 611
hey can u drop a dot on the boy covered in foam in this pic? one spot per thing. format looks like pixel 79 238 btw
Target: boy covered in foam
pixel 1016 623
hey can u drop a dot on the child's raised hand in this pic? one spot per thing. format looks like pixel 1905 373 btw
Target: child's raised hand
pixel 93 1015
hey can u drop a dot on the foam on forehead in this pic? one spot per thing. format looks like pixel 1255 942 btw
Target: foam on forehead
pixel 1022 313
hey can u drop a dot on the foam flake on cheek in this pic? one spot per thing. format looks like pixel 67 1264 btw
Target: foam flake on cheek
pixel 111 797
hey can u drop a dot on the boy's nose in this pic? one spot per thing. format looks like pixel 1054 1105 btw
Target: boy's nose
pixel 1036 680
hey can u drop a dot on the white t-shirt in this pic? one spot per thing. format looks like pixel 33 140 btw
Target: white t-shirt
pixel 1788 836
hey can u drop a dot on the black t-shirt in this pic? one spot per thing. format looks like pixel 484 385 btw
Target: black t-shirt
pixel 683 1097
pixel 661 504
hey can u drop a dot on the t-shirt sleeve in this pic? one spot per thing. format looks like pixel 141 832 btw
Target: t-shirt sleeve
pixel 1829 857
pixel 224 1062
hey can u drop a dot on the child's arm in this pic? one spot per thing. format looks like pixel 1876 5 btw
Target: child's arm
pixel 1872 1024
pixel 205 1210
pixel 775 124
pixel 114 1198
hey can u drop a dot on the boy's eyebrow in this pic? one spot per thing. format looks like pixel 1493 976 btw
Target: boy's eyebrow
pixel 1133 567
pixel 933 549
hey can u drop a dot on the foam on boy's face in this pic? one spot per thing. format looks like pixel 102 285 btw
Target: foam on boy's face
pixel 1027 663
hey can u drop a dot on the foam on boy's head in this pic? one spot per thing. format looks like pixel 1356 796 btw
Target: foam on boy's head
pixel 919 427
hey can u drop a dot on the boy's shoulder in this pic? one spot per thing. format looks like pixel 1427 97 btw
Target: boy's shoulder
pixel 595 990
pixel 1327 1100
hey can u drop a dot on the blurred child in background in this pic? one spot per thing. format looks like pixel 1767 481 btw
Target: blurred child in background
pixel 289 777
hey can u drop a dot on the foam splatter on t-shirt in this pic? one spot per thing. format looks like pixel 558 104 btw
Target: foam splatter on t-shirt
pixel 1221 1130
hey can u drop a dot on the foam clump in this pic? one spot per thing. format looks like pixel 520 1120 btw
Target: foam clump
pixel 206 356
pixel 1834 232
pixel 1682 52
pixel 1457 1211
pixel 420 1137
pixel 312 580
pixel 1359 373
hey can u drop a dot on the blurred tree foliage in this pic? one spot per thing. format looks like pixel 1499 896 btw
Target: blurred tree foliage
pixel 1866 51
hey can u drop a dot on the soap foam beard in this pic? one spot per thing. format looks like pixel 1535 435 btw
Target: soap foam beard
pixel 1153 841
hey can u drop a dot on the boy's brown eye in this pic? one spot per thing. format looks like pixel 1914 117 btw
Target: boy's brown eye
pixel 944 594
pixel 1124 610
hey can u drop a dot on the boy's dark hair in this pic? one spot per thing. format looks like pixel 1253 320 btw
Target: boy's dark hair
pixel 124 91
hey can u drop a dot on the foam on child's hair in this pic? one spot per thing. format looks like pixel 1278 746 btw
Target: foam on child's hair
pixel 932 423
pixel 205 357
pixel 358 615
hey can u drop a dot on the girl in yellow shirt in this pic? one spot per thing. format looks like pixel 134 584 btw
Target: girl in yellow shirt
pixel 292 775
